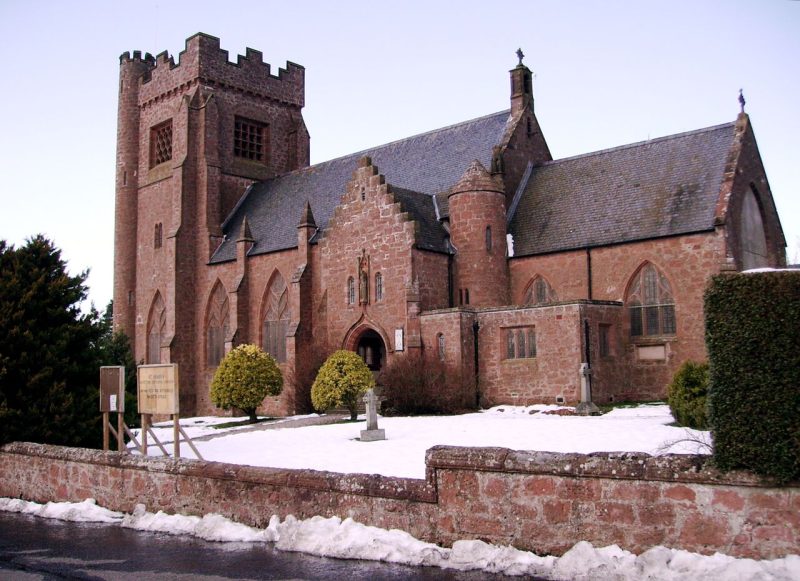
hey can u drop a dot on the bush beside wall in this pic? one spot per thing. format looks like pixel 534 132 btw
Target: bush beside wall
pixel 753 340
pixel 687 395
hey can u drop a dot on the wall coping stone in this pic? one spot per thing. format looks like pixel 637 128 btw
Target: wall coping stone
pixel 678 468
pixel 683 468
pixel 375 485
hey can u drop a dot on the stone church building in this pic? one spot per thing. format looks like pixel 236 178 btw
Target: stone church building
pixel 467 250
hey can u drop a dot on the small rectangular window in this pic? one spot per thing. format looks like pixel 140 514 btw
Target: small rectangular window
pixel 521 343
pixel 161 143
pixel 249 139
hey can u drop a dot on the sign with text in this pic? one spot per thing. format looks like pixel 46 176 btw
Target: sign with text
pixel 158 388
pixel 398 339
pixel 112 388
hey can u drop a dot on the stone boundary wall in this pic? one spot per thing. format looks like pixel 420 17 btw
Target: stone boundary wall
pixel 538 501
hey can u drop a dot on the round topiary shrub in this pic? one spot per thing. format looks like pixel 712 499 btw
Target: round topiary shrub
pixel 245 376
pixel 686 395
pixel 342 380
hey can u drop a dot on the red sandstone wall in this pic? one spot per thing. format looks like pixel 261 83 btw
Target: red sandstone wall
pixel 458 360
pixel 687 261
pixel 377 227
pixel 749 172
pixel 531 500
pixel 553 372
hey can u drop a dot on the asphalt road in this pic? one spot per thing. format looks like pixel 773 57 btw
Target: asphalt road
pixel 33 548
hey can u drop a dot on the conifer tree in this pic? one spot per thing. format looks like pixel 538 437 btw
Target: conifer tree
pixel 48 349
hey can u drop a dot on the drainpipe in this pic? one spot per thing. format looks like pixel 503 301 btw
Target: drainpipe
pixel 475 328
pixel 586 407
pixel 589 270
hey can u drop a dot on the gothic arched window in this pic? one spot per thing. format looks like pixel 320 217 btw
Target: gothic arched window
pixel 539 292
pixel 217 326
pixel 156 329
pixel 276 318
pixel 651 306
pixel 751 228
pixel 351 291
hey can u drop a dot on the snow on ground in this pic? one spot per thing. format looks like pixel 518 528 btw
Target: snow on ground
pixel 208 425
pixel 336 447
pixel 347 539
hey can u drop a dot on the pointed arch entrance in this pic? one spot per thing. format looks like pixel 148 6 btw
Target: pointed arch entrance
pixel 371 348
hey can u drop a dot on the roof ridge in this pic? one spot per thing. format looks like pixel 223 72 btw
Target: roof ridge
pixel 641 143
pixel 388 143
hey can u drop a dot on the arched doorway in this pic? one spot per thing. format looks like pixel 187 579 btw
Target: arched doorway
pixel 372 350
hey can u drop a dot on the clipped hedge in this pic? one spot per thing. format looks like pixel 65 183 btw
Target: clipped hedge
pixel 753 340
pixel 342 380
pixel 687 395
pixel 245 376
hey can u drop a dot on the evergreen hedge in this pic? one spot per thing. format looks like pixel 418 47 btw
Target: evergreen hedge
pixel 753 340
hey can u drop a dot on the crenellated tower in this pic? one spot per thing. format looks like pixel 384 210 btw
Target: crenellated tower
pixel 192 135
pixel 131 71
pixel 478 234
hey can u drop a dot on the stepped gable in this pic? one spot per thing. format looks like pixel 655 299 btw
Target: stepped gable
pixel 424 164
pixel 652 189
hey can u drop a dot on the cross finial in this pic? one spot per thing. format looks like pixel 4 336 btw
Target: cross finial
pixel 741 100
pixel 520 56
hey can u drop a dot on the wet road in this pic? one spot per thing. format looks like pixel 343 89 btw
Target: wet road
pixel 33 548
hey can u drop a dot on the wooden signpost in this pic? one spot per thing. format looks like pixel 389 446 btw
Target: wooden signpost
pixel 112 399
pixel 158 395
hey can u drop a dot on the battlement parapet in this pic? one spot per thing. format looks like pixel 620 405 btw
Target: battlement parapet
pixel 126 57
pixel 204 61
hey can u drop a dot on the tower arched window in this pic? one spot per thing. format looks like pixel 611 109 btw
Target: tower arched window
pixel 156 329
pixel 440 346
pixel 276 318
pixel 539 292
pixel 217 326
pixel 378 287
pixel 351 291
pixel 651 306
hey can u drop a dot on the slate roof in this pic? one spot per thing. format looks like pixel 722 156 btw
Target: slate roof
pixel 417 168
pixel 652 189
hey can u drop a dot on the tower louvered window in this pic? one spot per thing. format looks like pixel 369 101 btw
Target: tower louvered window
pixel 249 139
pixel 161 143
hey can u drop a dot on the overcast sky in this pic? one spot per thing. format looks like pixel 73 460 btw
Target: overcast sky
pixel 607 73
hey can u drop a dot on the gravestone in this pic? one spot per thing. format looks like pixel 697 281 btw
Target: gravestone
pixel 372 433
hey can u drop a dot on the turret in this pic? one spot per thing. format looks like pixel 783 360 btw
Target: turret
pixel 521 86
pixel 131 71
pixel 478 234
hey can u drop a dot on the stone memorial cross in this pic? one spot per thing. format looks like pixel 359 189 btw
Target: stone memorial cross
pixel 372 432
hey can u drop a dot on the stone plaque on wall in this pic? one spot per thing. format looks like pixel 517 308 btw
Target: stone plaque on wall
pixel 158 388
pixel 112 388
